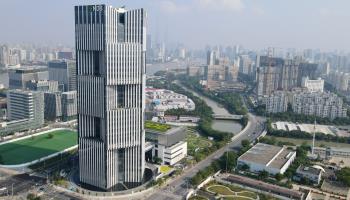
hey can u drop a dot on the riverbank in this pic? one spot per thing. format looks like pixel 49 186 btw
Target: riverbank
pixel 219 125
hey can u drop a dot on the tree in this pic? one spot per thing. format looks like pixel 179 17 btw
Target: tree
pixel 50 136
pixel 157 160
pixel 32 196
pixel 279 177
pixel 263 175
pixel 229 160
pixel 343 176
pixel 245 143
pixel 160 73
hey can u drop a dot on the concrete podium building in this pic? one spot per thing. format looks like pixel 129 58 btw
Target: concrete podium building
pixel 110 51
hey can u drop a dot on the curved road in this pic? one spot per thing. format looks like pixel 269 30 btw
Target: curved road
pixel 178 187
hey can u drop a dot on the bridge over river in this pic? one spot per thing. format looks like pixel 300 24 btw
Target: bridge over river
pixel 228 117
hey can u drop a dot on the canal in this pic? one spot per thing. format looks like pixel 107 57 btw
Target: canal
pixel 230 126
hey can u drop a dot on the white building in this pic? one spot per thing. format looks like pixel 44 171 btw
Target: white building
pixel 265 157
pixel 173 154
pixel 169 146
pixel 319 104
pixel 161 100
pixel 25 105
pixel 277 102
pixel 312 85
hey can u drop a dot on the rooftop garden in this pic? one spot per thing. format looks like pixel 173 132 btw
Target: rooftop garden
pixel 157 126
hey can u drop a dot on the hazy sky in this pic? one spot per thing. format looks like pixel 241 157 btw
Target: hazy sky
pixel 321 24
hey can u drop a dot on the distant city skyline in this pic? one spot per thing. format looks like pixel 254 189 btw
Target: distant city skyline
pixel 195 23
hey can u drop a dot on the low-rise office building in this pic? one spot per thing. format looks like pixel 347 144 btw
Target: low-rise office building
pixel 265 157
pixel 19 78
pixel 313 174
pixel 43 85
pixel 169 146
pixel 25 111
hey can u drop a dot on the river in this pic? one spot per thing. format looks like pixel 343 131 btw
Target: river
pixel 230 126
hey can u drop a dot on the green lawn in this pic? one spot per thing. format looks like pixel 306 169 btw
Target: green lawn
pixel 29 149
pixel 317 142
pixel 194 141
pixel 220 190
pixel 247 194
pixel 228 192
pixel 157 126
pixel 236 198
pixel 165 169
pixel 197 198
pixel 235 188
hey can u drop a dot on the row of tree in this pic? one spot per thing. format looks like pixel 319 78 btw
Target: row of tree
pixel 228 161
pixel 343 176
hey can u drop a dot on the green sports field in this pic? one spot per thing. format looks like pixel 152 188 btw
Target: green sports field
pixel 35 147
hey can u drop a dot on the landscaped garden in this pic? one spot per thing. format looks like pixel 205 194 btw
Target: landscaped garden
pixel 36 147
pixel 157 126
pixel 230 192
pixel 196 142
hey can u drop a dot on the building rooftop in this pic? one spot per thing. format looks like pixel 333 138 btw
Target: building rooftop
pixel 309 170
pixel 268 155
pixel 31 69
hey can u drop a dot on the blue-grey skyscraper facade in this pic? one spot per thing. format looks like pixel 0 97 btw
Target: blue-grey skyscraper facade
pixel 110 52
pixel 63 71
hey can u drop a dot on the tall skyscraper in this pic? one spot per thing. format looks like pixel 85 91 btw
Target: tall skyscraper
pixel 63 71
pixel 110 51
pixel 276 74
pixel 4 56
